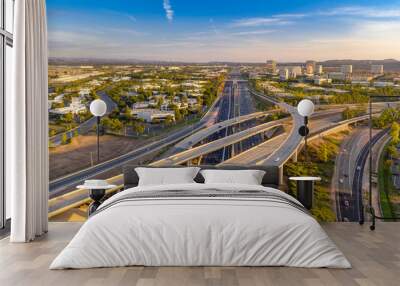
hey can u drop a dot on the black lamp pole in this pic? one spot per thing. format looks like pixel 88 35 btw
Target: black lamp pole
pixel 305 138
pixel 98 108
pixel 303 131
pixel 98 139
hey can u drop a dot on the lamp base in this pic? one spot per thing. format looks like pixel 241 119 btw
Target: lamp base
pixel 96 195
pixel 305 193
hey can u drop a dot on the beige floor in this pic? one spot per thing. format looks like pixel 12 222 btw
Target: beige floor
pixel 375 257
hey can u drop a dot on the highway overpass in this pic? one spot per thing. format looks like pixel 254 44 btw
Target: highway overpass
pixel 252 156
pixel 289 147
pixel 261 154
pixel 195 138
pixel 207 148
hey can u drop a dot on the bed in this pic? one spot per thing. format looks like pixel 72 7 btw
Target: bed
pixel 201 224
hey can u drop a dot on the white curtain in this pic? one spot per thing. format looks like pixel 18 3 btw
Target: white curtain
pixel 27 124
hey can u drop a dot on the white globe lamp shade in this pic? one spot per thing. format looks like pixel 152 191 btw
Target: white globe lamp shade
pixel 98 107
pixel 305 107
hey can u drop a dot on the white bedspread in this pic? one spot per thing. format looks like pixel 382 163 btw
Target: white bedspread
pixel 206 231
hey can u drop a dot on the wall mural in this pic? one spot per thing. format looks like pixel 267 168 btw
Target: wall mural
pixel 180 83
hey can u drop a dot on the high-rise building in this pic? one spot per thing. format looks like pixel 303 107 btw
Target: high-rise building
pixel 310 67
pixel 295 70
pixel 283 74
pixel 319 69
pixel 377 69
pixel 346 69
pixel 271 66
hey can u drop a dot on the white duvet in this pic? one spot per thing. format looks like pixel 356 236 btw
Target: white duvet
pixel 202 232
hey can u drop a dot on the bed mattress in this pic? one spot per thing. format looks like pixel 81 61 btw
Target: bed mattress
pixel 201 225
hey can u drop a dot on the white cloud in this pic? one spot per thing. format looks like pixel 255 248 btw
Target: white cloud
pixel 255 32
pixel 290 15
pixel 169 13
pixel 368 12
pixel 260 21
pixel 119 14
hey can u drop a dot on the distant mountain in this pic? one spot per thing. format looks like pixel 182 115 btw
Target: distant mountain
pixel 96 61
pixel 389 64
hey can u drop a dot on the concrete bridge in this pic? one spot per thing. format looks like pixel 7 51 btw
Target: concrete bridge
pixel 207 148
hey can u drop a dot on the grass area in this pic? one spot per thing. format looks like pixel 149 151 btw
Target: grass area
pixel 322 155
pixel 55 129
pixel 262 105
pixel 385 184
pixel 179 125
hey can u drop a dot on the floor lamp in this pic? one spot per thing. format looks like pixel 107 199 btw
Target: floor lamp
pixel 98 108
pixel 305 184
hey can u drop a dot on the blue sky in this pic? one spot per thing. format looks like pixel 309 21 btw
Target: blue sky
pixel 201 31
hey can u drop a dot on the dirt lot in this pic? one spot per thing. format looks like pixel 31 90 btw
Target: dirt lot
pixel 76 156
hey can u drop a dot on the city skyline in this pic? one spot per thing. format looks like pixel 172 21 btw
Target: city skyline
pixel 243 32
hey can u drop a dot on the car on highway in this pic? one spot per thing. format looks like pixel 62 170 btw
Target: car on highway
pixel 341 180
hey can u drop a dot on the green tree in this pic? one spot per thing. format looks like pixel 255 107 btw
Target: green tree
pixel 55 105
pixel 160 102
pixel 52 132
pixel 395 133
pixel 388 116
pixel 93 95
pixel 139 128
pixel 323 152
pixel 68 118
pixel 388 163
pixel 178 114
pixel 128 113
pixel 113 124
pixel 392 150
pixel 168 120
pixel 64 139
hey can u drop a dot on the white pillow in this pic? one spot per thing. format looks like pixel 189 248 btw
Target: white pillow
pixel 246 177
pixel 166 176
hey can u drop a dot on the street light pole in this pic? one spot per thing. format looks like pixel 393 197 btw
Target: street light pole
pixel 305 138
pixel 98 139
pixel 305 108
pixel 98 108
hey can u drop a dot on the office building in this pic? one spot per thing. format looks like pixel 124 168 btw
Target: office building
pixel 319 69
pixel 346 69
pixel 310 67
pixel 284 74
pixel 377 69
pixel 271 66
